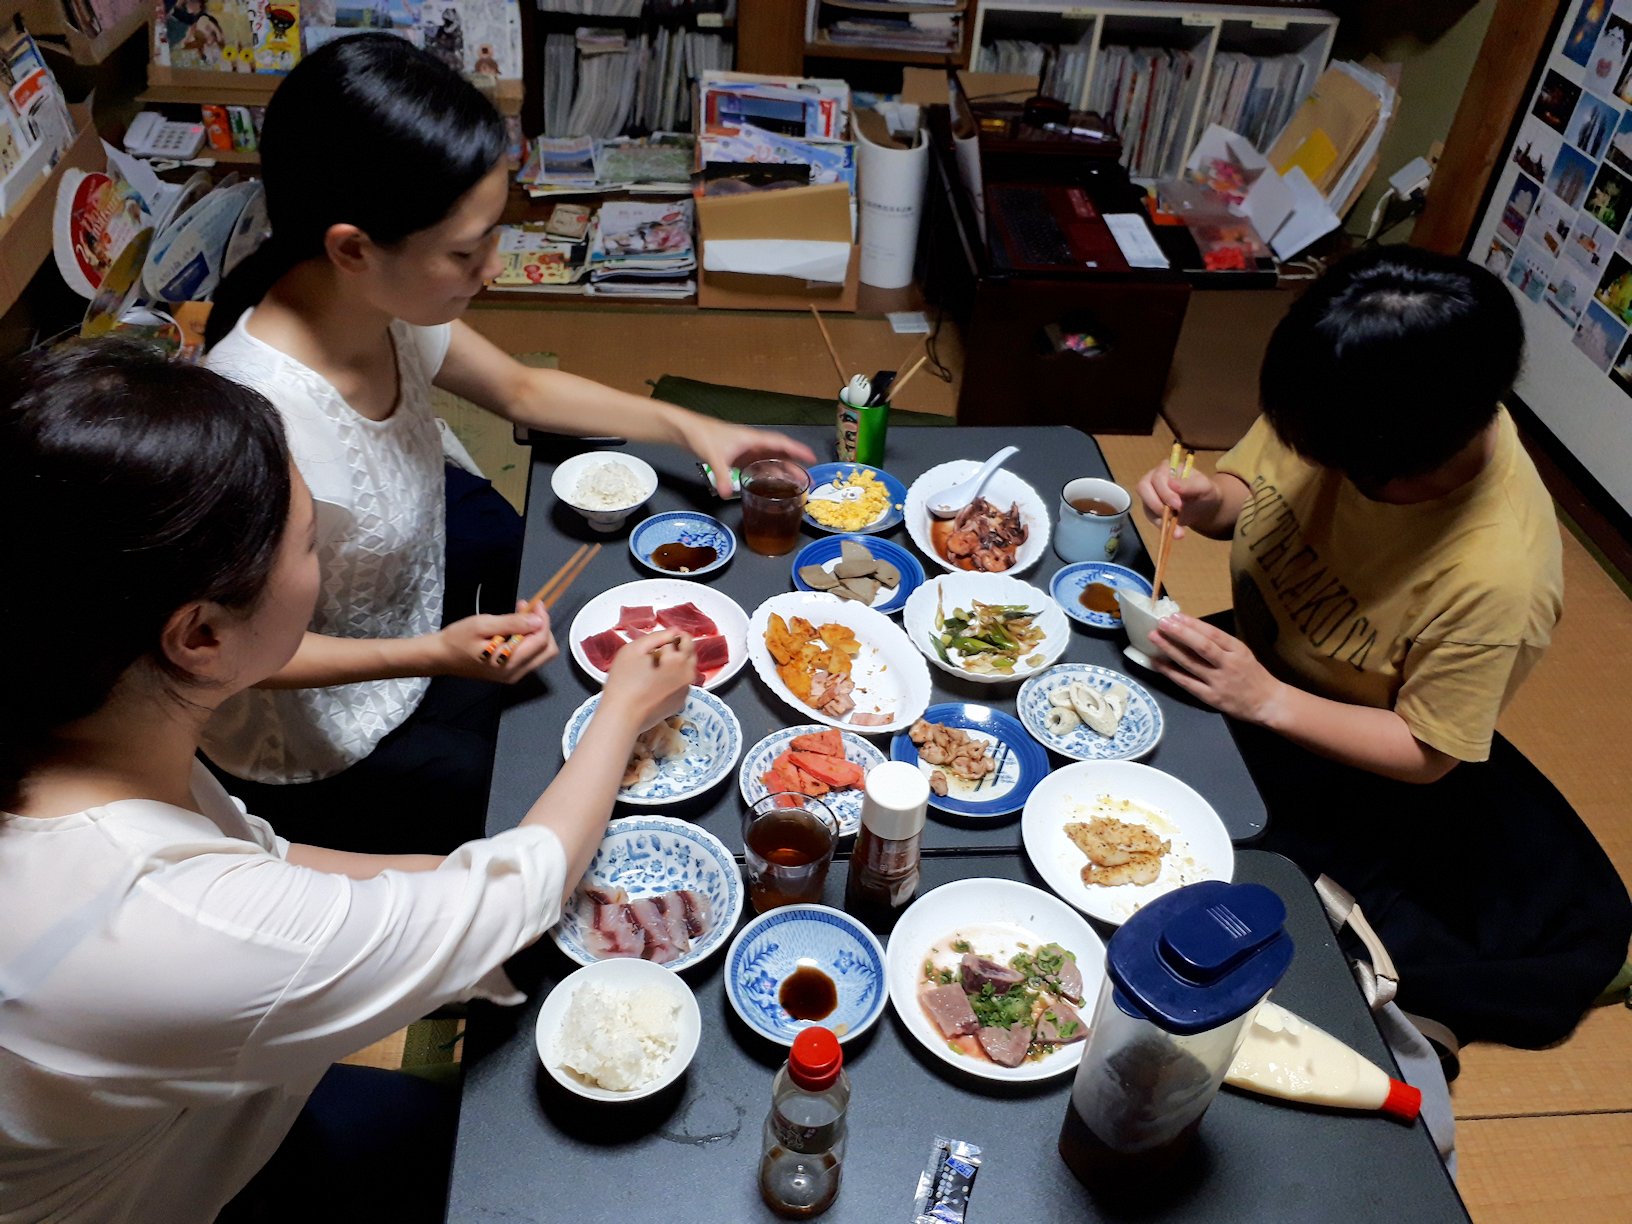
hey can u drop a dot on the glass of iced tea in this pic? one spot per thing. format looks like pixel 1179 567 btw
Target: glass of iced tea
pixel 789 841
pixel 773 502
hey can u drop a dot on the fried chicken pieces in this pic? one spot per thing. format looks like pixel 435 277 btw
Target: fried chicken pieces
pixel 814 662
pixel 1118 852
pixel 952 748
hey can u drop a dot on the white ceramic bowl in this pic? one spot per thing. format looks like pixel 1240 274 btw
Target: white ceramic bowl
pixel 1003 488
pixel 889 674
pixel 780 941
pixel 713 744
pixel 958 590
pixel 564 483
pixel 1139 618
pixel 1201 845
pixel 626 974
pixel 601 613
pixel 996 916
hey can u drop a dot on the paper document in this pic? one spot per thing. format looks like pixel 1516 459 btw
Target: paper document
pixel 826 262
pixel 1311 217
pixel 892 202
pixel 1134 238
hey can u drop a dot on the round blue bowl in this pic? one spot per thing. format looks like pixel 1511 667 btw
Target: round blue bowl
pixel 831 473
pixel 767 951
pixel 1021 761
pixel 688 527
pixel 820 552
pixel 1069 583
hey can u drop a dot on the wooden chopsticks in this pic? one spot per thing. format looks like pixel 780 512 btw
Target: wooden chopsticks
pixel 838 366
pixel 902 381
pixel 499 648
pixel 1164 546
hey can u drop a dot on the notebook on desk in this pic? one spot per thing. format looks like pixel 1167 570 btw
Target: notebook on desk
pixel 1045 229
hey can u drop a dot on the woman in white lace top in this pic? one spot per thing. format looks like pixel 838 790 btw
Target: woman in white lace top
pixel 386 179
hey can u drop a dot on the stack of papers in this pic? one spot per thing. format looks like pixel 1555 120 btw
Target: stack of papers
pixel 609 68
pixel 802 107
pixel 1146 93
pixel 536 261
pixel 643 250
pixel 740 155
pixel 582 165
pixel 907 28
pixel 1254 95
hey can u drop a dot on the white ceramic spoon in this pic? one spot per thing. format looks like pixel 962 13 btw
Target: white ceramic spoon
pixel 947 504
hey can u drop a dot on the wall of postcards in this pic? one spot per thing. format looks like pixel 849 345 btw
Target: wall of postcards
pixel 1558 229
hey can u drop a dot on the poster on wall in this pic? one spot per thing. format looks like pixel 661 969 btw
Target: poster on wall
pixel 1557 229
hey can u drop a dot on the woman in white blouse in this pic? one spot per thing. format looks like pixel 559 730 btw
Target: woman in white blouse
pixel 385 182
pixel 175 978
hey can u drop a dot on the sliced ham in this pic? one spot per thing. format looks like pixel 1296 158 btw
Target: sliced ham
pixel 872 720
pixel 824 743
pixel 949 1008
pixel 600 647
pixel 636 620
pixel 688 618
pixel 713 652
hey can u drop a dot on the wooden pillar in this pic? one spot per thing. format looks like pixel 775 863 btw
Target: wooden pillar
pixel 1516 40
pixel 771 36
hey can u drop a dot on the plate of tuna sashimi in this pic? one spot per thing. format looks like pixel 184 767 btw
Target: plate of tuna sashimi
pixel 717 624
pixel 814 760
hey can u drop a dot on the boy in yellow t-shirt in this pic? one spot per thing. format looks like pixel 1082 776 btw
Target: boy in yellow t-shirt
pixel 1397 572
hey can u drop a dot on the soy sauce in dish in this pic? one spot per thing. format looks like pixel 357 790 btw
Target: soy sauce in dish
pixel 1097 597
pixel 808 994
pixel 683 558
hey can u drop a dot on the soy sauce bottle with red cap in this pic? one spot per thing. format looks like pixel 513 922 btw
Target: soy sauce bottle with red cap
pixel 804 1131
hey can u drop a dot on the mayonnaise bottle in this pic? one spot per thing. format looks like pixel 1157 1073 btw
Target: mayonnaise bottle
pixel 1283 1055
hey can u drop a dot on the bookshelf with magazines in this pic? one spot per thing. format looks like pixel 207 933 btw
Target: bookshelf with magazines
pixel 1161 72
pixel 86 31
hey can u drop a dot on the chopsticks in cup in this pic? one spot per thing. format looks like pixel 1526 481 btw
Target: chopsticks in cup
pixel 838 366
pixel 499 648
pixel 1170 520
pixel 902 381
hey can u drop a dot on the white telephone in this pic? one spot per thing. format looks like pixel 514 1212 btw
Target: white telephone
pixel 152 135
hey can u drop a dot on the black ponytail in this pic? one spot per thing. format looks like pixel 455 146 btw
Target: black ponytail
pixel 129 486
pixel 367 131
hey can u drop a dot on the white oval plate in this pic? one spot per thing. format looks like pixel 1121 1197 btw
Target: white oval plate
pixel 845 804
pixel 713 743
pixel 1201 844
pixel 994 916
pixel 1003 488
pixel 889 673
pixel 625 974
pixel 1139 731
pixel 647 855
pixel 601 613
pixel 957 590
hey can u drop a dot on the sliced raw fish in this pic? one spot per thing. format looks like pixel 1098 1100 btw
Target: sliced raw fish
pixel 978 971
pixel 1069 976
pixel 666 938
pixel 636 620
pixel 688 618
pixel 600 647
pixel 949 1008
pixel 713 652
pixel 613 931
pixel 1061 1024
pixel 597 895
pixel 1005 1046
pixel 695 911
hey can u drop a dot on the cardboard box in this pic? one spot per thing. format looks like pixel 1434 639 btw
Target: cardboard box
pixel 808 214
pixel 25 235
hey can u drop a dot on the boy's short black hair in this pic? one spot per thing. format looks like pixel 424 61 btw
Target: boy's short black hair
pixel 1391 363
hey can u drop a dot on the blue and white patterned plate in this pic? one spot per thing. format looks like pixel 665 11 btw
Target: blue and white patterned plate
pixel 1139 731
pixel 768 950
pixel 647 855
pixel 825 553
pixel 1070 582
pixel 713 744
pixel 844 804
pixel 687 527
pixel 1021 764
pixel 824 475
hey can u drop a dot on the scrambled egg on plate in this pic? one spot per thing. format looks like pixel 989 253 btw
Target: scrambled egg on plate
pixel 853 515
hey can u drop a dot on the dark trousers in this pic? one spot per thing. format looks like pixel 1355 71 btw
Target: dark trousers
pixel 370 1145
pixel 1503 914
pixel 423 790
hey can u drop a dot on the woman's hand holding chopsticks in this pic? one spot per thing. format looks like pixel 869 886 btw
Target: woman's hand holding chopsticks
pixel 459 648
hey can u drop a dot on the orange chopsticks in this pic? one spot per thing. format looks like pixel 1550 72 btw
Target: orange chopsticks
pixel 499 648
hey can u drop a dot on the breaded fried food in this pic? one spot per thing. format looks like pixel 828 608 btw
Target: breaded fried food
pixel 1118 852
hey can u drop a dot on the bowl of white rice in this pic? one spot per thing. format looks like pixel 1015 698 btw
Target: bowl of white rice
pixel 618 1030
pixel 606 487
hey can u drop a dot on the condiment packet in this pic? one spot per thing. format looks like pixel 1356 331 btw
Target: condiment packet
pixel 736 481
pixel 946 1182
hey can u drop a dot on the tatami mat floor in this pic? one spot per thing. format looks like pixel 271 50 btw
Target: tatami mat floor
pixel 1544 1135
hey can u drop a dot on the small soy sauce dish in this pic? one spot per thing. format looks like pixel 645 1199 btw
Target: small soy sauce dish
pixel 682 544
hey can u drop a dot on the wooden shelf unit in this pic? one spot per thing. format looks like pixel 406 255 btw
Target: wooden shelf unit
pixel 26 232
pixel 48 23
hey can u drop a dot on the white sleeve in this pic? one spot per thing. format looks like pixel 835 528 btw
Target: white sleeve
pixel 432 344
pixel 382 953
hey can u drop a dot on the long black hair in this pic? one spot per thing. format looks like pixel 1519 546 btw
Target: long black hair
pixel 1391 363
pixel 130 486
pixel 367 131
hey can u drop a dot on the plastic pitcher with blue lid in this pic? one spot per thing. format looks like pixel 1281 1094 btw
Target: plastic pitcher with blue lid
pixel 1182 976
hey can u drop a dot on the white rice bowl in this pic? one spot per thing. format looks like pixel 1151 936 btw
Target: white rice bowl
pixel 618 1030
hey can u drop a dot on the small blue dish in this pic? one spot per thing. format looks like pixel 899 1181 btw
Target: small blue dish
pixel 1070 582
pixel 824 475
pixel 1021 761
pixel 825 552
pixel 687 527
pixel 769 949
